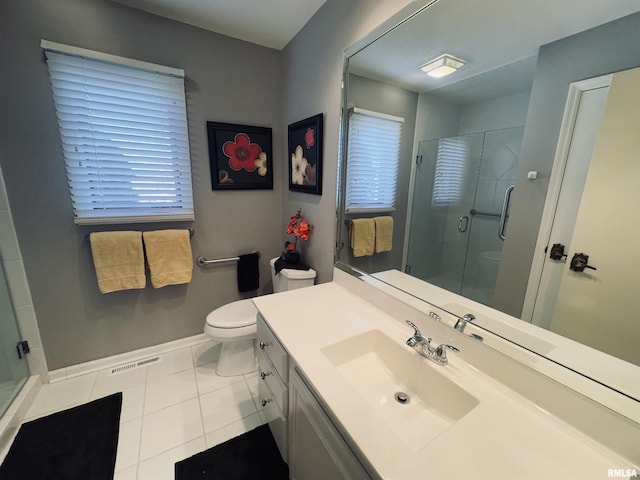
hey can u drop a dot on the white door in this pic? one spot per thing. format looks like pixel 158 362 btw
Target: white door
pixel 596 216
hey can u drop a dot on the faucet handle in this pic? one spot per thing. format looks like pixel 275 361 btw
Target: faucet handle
pixel 442 347
pixel 462 321
pixel 417 332
pixel 439 353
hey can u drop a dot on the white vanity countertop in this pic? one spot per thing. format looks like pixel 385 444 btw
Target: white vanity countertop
pixel 620 375
pixel 504 436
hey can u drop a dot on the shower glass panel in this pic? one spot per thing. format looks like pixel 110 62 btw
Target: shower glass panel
pixel 13 370
pixel 498 170
pixel 444 185
pixel 459 190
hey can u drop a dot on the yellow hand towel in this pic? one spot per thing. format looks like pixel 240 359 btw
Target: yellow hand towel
pixel 384 233
pixel 362 236
pixel 169 257
pixel 119 260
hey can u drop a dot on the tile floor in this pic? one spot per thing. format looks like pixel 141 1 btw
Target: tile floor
pixel 171 409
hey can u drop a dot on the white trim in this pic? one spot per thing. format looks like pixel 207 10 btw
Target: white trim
pixel 187 217
pixel 371 113
pixel 353 211
pixel 115 360
pixel 555 185
pixel 105 57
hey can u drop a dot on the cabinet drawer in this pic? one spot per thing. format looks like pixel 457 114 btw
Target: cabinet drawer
pixel 272 402
pixel 268 377
pixel 269 344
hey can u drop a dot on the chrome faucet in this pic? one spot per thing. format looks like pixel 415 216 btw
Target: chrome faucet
pixel 437 354
pixel 462 321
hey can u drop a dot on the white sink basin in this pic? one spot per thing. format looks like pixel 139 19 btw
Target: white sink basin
pixel 378 368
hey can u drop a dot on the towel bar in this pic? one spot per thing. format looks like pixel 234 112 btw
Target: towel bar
pixel 201 261
pixel 191 232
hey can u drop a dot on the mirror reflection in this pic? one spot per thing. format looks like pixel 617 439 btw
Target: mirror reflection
pixel 512 178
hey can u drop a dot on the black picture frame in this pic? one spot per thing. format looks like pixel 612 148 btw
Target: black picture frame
pixel 305 155
pixel 252 168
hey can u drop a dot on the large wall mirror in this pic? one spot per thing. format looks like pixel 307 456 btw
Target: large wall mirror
pixel 514 178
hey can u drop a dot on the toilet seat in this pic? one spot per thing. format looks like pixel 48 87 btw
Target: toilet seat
pixel 241 313
pixel 235 320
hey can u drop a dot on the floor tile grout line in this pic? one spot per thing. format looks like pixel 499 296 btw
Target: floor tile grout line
pixel 144 401
pixel 151 412
pixel 203 436
pixel 140 460
pixel 94 385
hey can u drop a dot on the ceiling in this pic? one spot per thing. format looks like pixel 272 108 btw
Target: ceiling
pixel 271 23
pixel 499 40
pixel 495 66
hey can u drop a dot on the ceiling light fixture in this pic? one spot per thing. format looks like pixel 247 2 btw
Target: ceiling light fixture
pixel 443 65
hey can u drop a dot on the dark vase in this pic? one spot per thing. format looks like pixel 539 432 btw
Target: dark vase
pixel 292 257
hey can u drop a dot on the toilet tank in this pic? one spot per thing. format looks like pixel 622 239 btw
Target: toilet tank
pixel 290 279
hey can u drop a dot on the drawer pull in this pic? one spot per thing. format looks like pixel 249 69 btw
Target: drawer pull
pixel 262 345
pixel 264 375
pixel 264 402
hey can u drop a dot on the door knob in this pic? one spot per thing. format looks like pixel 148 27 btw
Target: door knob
pixel 579 262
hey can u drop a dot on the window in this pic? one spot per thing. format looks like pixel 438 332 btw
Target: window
pixel 373 155
pixel 123 129
pixel 451 161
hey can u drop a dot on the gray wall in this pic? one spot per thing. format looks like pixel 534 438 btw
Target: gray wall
pixel 227 80
pixel 381 97
pixel 599 51
pixel 312 76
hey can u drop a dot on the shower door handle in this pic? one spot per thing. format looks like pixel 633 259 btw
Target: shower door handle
pixel 463 223
pixel 502 224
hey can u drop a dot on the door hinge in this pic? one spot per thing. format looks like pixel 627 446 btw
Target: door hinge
pixel 407 268
pixel 418 159
pixel 23 348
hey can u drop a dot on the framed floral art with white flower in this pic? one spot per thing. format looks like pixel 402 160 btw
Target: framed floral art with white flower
pixel 240 156
pixel 305 155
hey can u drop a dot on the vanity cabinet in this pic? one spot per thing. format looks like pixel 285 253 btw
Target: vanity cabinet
pixel 308 440
pixel 317 451
pixel 273 371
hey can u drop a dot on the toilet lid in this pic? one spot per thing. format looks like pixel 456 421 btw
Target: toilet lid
pixel 233 315
pixel 294 274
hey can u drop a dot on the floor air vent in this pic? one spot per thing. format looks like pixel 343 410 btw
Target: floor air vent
pixel 132 365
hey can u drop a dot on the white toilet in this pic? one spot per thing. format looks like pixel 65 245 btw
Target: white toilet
pixel 234 324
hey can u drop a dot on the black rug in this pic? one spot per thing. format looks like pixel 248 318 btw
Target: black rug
pixel 76 444
pixel 251 456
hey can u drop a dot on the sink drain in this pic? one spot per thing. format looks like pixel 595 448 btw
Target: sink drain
pixel 402 397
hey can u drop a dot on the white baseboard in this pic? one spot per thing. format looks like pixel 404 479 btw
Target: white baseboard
pixel 114 360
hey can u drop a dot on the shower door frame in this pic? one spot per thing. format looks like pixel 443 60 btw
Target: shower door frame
pixel 16 362
pixel 470 220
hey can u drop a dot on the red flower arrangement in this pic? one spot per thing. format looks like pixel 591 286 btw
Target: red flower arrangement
pixel 300 229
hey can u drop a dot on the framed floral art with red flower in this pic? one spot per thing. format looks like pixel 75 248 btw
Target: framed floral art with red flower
pixel 240 156
pixel 305 155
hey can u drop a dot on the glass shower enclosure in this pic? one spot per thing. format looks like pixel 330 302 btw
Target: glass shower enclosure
pixel 460 209
pixel 14 370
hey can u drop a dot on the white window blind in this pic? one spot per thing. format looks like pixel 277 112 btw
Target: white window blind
pixel 123 128
pixel 448 181
pixel 373 155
